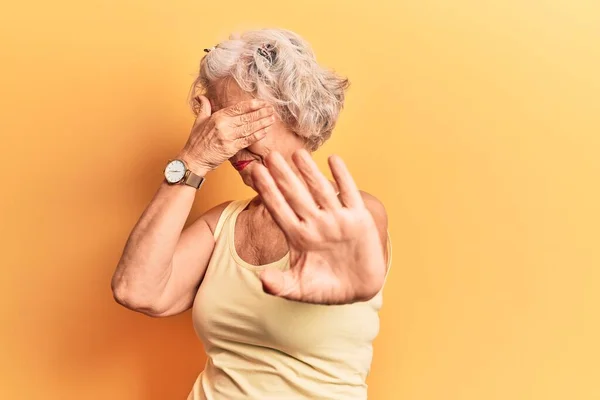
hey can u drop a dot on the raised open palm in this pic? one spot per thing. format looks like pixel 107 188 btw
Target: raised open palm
pixel 335 249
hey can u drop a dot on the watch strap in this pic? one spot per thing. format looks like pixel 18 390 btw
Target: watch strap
pixel 193 180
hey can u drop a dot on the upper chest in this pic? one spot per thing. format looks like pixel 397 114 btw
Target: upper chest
pixel 258 241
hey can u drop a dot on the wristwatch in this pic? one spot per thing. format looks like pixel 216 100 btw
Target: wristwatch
pixel 177 171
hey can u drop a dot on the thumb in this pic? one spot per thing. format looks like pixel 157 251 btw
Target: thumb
pixel 205 109
pixel 276 282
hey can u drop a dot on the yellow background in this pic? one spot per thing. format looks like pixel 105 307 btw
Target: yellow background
pixel 476 123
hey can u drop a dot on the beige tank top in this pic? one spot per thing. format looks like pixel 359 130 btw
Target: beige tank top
pixel 264 347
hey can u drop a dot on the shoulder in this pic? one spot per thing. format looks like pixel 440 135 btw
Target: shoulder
pixel 373 204
pixel 212 215
pixel 376 207
pixel 379 214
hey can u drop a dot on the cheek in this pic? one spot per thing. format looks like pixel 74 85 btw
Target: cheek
pixel 261 147
pixel 235 155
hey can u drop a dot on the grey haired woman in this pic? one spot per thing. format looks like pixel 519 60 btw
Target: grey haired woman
pixel 284 287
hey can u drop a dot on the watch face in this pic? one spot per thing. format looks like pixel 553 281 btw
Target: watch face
pixel 175 171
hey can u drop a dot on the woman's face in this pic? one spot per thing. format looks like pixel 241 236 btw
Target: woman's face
pixel 227 93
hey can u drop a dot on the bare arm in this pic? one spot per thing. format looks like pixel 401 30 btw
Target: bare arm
pixel 162 264
pixel 337 253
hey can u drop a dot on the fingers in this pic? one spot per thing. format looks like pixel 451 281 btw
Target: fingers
pixel 247 121
pixel 252 116
pixel 244 107
pixel 246 141
pixel 349 194
pixel 277 205
pixel 251 127
pixel 276 282
pixel 318 185
pixel 286 194
pixel 289 184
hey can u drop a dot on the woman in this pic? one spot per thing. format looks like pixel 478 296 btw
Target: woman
pixel 285 286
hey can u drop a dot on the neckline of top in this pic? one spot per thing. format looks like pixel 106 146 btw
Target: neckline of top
pixel 281 263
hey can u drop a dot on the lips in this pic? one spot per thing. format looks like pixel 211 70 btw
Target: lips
pixel 240 165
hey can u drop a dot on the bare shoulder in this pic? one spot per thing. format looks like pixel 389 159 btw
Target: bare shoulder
pixel 373 204
pixel 211 216
pixel 379 214
pixel 376 207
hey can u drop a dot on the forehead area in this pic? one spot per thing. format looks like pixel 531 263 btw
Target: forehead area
pixel 225 93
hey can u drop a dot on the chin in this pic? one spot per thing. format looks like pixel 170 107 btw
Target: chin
pixel 246 175
pixel 247 178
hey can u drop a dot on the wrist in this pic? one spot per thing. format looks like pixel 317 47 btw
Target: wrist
pixel 193 165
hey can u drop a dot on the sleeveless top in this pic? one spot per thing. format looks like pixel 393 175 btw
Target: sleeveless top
pixel 264 347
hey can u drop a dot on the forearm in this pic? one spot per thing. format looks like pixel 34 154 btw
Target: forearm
pixel 145 265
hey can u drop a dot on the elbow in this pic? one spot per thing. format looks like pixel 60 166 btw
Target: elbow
pixel 133 300
pixel 122 296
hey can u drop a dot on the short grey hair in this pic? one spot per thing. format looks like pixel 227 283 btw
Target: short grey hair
pixel 279 66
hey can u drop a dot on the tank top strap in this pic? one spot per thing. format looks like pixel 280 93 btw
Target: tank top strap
pixel 226 213
pixel 389 251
